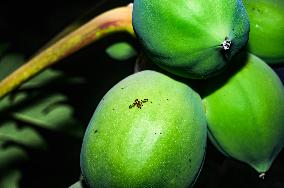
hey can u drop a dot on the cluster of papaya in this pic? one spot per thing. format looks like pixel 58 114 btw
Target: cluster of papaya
pixel 150 129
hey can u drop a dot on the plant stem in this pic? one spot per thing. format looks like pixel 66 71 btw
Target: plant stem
pixel 112 21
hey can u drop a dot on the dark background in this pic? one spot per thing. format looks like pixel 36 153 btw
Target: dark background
pixel 27 26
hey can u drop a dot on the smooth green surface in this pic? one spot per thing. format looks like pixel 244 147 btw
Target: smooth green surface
pixel 185 36
pixel 160 145
pixel 246 115
pixel 266 38
pixel 121 51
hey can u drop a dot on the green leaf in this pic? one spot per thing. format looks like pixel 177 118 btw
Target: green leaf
pixel 9 63
pixel 50 112
pixel 11 154
pixel 121 51
pixel 43 78
pixel 49 76
pixel 25 135
pixel 39 105
pixel 10 179
pixel 12 100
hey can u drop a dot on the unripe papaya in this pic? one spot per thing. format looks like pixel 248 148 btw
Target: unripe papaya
pixel 193 39
pixel 148 131
pixel 245 114
pixel 266 37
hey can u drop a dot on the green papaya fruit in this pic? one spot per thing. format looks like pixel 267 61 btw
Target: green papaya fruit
pixel 148 131
pixel 193 39
pixel 266 37
pixel 245 113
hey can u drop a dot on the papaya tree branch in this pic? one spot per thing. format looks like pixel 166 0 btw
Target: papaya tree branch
pixel 115 20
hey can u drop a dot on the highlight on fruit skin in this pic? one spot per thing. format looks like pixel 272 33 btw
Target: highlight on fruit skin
pixel 245 112
pixel 149 130
pixel 193 39
pixel 266 37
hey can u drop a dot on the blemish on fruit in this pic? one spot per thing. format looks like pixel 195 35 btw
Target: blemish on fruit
pixel 138 103
pixel 95 131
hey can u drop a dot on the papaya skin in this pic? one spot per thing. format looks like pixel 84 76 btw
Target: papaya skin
pixel 245 114
pixel 187 37
pixel 159 144
pixel 266 38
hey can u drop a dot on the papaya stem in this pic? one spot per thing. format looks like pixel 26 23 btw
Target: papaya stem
pixel 226 44
pixel 262 175
pixel 115 20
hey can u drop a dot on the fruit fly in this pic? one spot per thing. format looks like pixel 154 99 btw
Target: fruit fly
pixel 138 103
